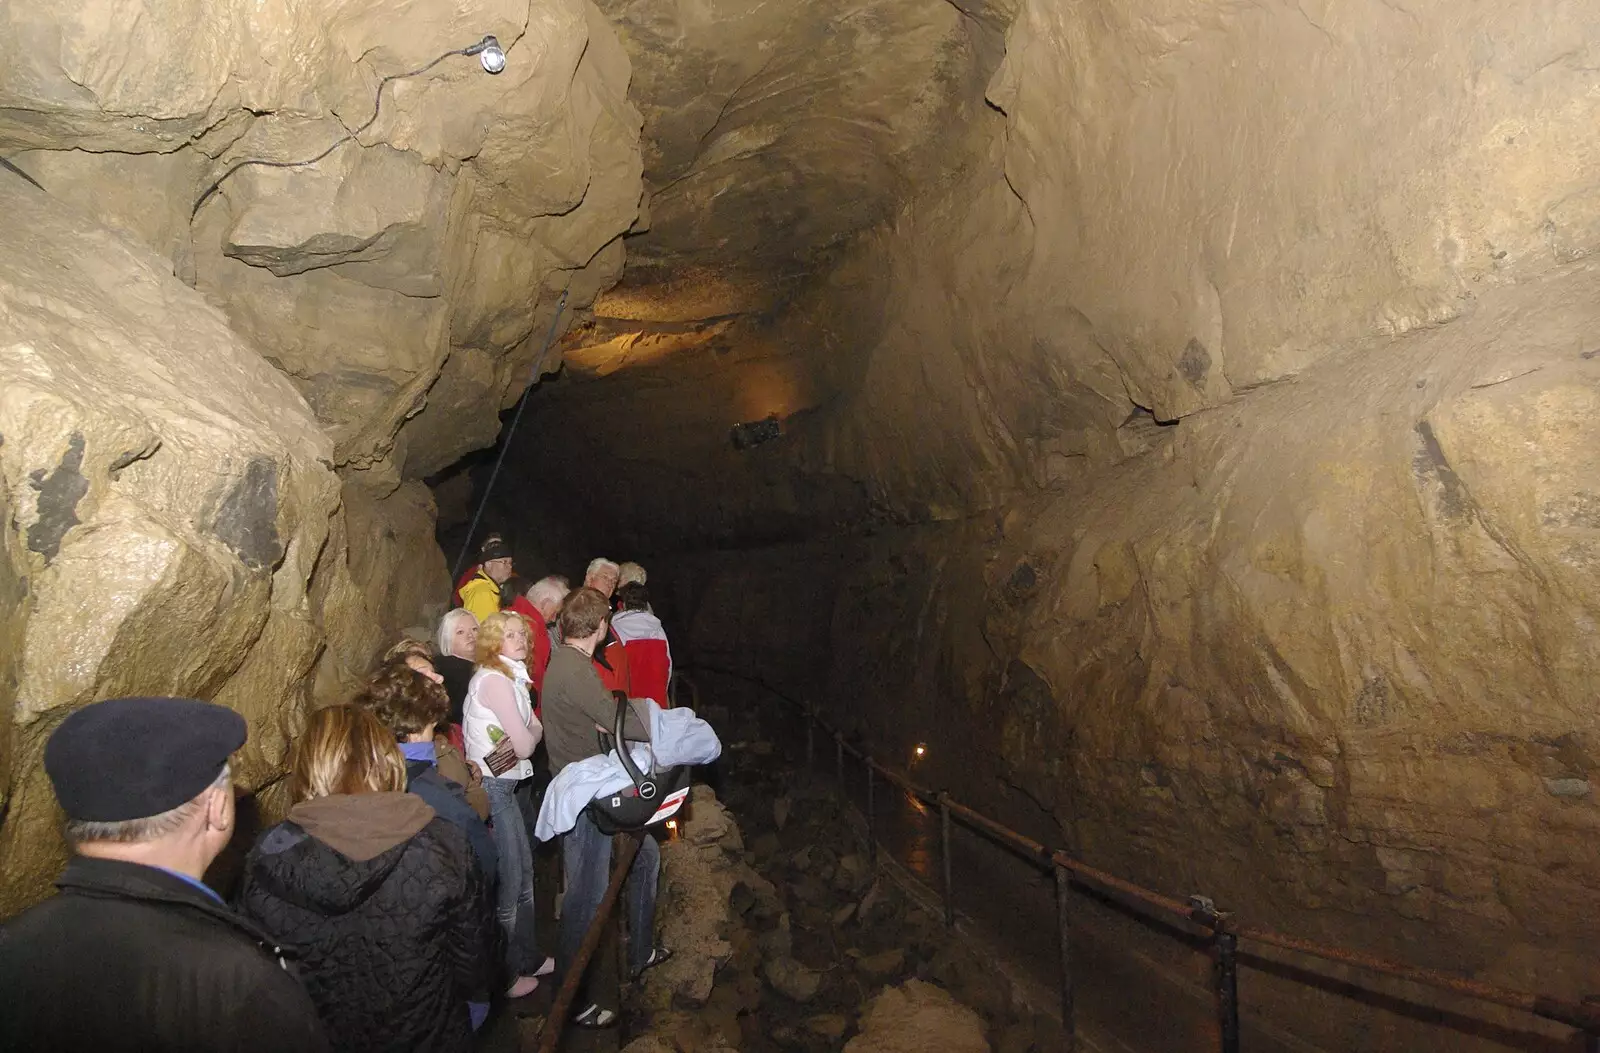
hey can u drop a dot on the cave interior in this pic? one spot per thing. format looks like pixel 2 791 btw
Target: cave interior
pixel 1177 418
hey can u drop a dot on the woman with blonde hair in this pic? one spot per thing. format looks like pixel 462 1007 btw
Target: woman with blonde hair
pixel 501 732
pixel 377 896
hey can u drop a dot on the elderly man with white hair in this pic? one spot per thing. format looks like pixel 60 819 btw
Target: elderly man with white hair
pixel 631 573
pixel 602 576
pixel 547 596
pixel 610 660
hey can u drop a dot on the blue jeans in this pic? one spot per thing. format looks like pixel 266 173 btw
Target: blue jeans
pixel 586 860
pixel 514 891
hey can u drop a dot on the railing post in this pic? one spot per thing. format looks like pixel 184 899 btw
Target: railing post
pixel 1225 972
pixel 872 823
pixel 944 855
pixel 811 739
pixel 1064 922
pixel 623 849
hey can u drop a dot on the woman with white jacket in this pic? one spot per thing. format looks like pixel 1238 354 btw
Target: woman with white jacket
pixel 501 732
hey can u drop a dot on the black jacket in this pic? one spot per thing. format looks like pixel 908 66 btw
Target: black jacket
pixel 457 674
pixel 449 799
pixel 131 958
pixel 383 904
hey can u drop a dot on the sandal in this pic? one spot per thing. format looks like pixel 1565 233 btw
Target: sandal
pixel 657 956
pixel 593 1017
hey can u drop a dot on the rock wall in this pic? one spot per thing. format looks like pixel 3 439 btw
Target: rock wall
pixel 1208 457
pixel 161 536
pixel 1170 206
pixel 405 281
pixel 370 313
pixel 1355 700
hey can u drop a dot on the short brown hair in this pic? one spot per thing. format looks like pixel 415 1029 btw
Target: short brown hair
pixel 583 612
pixel 345 750
pixel 403 700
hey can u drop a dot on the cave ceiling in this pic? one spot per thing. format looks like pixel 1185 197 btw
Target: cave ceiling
pixel 774 132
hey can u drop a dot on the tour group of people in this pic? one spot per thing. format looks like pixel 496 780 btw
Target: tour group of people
pixel 396 901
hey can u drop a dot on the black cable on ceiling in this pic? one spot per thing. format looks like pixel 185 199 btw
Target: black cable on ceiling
pixel 480 47
pixel 13 168
pixel 505 439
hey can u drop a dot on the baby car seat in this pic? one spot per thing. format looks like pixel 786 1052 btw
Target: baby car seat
pixel 654 797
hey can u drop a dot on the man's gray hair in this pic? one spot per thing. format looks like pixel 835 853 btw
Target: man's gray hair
pixel 598 564
pixel 548 592
pixel 447 629
pixel 150 828
pixel 630 574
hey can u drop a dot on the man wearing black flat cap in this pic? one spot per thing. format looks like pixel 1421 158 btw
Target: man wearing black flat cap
pixel 135 952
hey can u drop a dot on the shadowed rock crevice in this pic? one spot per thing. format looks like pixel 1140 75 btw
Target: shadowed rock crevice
pixel 58 495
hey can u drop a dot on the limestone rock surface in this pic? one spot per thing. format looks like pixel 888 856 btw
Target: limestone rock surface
pixel 1208 444
pixel 173 524
pixel 698 878
pixel 446 230
pixel 400 280
pixel 774 131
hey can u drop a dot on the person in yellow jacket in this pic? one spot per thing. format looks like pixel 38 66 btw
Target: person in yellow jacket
pixel 481 595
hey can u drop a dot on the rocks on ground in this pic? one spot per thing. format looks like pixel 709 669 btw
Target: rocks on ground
pixel 916 1017
pixel 794 944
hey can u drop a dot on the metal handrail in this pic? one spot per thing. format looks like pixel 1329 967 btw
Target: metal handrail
pixel 1198 911
pixel 556 1022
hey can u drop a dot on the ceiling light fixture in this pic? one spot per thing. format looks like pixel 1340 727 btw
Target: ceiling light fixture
pixel 490 53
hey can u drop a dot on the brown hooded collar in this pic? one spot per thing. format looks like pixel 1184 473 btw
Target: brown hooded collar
pixel 362 826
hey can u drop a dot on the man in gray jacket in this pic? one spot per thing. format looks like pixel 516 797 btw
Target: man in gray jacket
pixel 576 706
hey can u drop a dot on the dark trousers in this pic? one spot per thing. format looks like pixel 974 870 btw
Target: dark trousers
pixel 586 861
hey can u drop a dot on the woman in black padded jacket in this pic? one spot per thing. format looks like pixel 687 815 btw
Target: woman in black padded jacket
pixel 378 897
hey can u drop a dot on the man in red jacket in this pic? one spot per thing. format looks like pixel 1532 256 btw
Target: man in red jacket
pixel 645 642
pixel 547 595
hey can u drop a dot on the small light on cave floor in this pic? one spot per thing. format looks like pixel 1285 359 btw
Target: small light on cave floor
pixel 672 827
pixel 921 750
